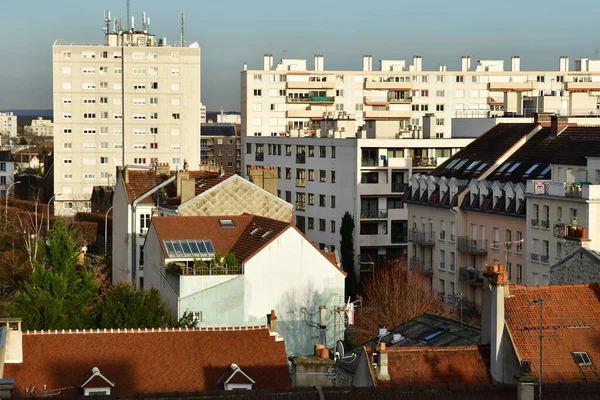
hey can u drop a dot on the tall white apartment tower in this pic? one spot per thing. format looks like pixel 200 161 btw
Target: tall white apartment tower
pixel 134 99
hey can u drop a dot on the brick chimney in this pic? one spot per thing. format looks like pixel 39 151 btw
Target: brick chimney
pixel 526 382
pixel 126 174
pixel 272 321
pixel 162 169
pixel 496 291
pixel 383 373
pixel 188 189
pixel 557 125
pixel 181 175
pixel 208 166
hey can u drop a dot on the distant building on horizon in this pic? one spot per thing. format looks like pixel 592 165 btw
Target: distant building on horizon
pixel 8 124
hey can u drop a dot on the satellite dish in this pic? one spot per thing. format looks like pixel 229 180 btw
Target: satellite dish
pixel 340 349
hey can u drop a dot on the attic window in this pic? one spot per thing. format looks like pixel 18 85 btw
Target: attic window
pixel 506 165
pixel 449 166
pixel 267 233
pixel 515 165
pixel 226 223
pixel 460 164
pixel 428 337
pixel 481 167
pixel 530 170
pixel 254 231
pixel 582 358
pixel 545 171
pixel 472 165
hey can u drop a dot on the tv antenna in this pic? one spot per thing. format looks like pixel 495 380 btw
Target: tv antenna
pixel 182 26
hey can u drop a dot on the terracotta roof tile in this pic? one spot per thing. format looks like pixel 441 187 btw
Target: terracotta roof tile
pixel 571 323
pixel 145 362
pixel 141 182
pixel 438 365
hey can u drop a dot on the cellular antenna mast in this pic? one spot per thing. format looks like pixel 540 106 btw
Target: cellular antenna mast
pixel 182 25
pixel 128 15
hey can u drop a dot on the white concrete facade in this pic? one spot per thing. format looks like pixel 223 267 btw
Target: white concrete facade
pixel 8 124
pixel 323 177
pixel 113 105
pixel 562 215
pixel 40 127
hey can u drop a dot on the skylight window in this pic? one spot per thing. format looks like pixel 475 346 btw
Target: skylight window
pixel 582 358
pixel 226 223
pixel 473 164
pixel 545 171
pixel 481 167
pixel 189 248
pixel 530 170
pixel 449 166
pixel 515 165
pixel 460 164
pixel 506 165
pixel 254 231
pixel 440 330
pixel 267 233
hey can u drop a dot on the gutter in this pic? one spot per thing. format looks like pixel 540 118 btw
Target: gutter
pixel 134 220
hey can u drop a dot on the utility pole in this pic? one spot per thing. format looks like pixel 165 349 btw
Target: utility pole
pixel 540 301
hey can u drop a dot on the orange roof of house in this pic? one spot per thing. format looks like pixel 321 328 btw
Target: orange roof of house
pixel 238 239
pixel 142 181
pixel 571 323
pixel 147 362
pixel 438 365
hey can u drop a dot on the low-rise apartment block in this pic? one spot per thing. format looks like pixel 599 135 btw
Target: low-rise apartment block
pixel 40 127
pixel 221 145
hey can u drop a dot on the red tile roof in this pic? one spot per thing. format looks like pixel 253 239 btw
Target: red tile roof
pixel 571 323
pixel 146 362
pixel 438 365
pixel 142 181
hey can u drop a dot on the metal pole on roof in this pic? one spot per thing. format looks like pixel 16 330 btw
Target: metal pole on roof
pixel 540 301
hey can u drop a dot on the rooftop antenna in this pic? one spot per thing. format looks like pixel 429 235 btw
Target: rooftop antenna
pixel 143 21
pixel 128 14
pixel 182 25
pixel 106 28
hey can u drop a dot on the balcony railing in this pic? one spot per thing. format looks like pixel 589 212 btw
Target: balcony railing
pixel 369 162
pixel 312 99
pixel 535 257
pixel 194 268
pixel 443 235
pixel 368 214
pixel 535 222
pixel 569 232
pixel 472 246
pixel 545 224
pixel 300 158
pixel 259 157
pixel 442 265
pixel 573 190
pixel 399 238
pixel 422 265
pixel 421 237
pixel 544 259
pixel 300 182
pixel 399 187
pixel 424 162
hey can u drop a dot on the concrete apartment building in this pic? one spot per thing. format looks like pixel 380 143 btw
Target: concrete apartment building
pixel 8 124
pixel 133 100
pixel 365 173
pixel 221 145
pixel 40 127
pixel 524 195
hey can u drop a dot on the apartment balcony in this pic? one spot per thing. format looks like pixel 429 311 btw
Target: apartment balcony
pixel 570 232
pixel 424 238
pixel 259 156
pixel 399 238
pixel 535 222
pixel 312 99
pixel 376 101
pixel 418 162
pixel 397 86
pixel 544 259
pixel 534 257
pixel 472 246
pixel 374 240
pixel 373 162
pixel 395 100
pixel 583 86
pixel 510 86
pixel 399 187
pixel 329 84
pixel 401 163
pixel 304 113
pixel 370 189
pixel 419 264
pixel 373 214
pixel 545 224
pixel 398 213
pixel 388 114
pixel 300 158
pixel 470 275
pixel 300 182
pixel 576 190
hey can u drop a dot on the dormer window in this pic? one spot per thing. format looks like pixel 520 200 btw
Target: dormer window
pixel 236 379
pixel 582 358
pixel 226 223
pixel 96 384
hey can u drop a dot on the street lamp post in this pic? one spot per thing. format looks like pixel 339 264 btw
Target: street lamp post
pixel 7 191
pixel 106 231
pixel 48 210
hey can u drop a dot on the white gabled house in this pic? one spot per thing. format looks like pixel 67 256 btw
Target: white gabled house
pixel 266 265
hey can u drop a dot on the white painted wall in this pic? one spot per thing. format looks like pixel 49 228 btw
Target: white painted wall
pixel 121 236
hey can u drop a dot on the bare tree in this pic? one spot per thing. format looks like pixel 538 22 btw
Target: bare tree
pixel 394 295
pixel 30 226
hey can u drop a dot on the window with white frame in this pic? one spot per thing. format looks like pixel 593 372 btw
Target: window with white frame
pixel 67 145
pixel 67 115
pixel 139 116
pixel 89 175
pixel 139 86
pixel 175 131
pixel 139 146
pixel 139 71
pixel 89 161
pixel 67 160
pixel 68 175
pixel 104 130
pixel 139 101
pixel 104 145
pixel 154 100
pixel 175 101
pixel 175 86
pixel 67 100
pixel 88 70
pixel 66 54
pixel 89 146
pixel 175 71
pixel 138 55
pixel 67 131
pixel 139 131
pixel 89 131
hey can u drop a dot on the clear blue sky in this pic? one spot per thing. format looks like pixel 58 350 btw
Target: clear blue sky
pixel 233 31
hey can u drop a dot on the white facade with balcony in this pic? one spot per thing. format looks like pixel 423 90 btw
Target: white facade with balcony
pixel 562 215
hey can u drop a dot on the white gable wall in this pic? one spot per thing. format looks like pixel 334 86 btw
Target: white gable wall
pixel 121 235
pixel 287 275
